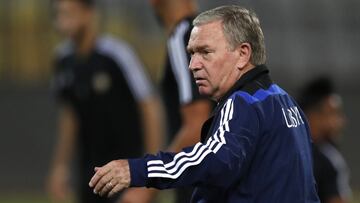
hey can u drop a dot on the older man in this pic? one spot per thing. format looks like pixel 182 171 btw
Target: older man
pixel 255 147
pixel 186 110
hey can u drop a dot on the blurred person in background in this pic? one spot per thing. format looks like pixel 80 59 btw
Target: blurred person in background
pixel 186 110
pixel 323 107
pixel 107 107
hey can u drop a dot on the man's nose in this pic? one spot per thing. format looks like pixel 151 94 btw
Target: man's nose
pixel 195 63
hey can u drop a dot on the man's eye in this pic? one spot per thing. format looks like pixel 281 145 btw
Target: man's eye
pixel 204 52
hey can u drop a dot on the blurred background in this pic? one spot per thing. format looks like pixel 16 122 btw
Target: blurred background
pixel 304 39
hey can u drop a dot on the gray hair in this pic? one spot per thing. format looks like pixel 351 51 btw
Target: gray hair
pixel 240 25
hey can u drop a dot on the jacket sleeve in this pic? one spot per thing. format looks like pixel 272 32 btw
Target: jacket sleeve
pixel 219 162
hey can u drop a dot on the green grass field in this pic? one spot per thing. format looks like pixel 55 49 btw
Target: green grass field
pixel 28 198
pixel 164 197
pixel 24 199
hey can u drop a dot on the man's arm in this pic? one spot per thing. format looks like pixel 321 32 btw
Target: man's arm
pixel 218 162
pixel 152 121
pixel 336 200
pixel 193 117
pixel 151 114
pixel 59 172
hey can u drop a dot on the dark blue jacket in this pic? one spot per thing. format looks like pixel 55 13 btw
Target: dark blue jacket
pixel 255 148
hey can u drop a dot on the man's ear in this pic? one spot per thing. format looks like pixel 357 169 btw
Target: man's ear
pixel 244 50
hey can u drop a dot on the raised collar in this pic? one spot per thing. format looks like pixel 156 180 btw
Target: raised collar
pixel 249 76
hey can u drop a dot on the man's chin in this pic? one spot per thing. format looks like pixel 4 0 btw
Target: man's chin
pixel 204 92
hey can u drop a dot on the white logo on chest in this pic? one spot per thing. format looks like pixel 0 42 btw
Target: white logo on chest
pixel 101 82
pixel 292 117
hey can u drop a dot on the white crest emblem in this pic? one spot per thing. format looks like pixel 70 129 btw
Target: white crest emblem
pixel 101 82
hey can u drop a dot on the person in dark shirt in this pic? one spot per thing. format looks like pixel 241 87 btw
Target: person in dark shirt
pixel 185 108
pixel 256 146
pixel 107 107
pixel 323 107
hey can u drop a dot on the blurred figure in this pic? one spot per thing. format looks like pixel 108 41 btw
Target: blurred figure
pixel 323 108
pixel 186 110
pixel 107 106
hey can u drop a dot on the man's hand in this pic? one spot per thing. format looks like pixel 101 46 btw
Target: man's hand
pixel 111 178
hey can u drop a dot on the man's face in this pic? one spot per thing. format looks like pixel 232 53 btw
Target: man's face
pixel 71 17
pixel 213 63
pixel 332 116
pixel 159 7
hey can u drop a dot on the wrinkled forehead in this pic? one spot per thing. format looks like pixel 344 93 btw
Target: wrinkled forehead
pixel 206 34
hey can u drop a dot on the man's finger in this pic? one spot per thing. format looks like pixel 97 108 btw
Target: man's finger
pixel 98 175
pixel 115 190
pixel 106 188
pixel 102 183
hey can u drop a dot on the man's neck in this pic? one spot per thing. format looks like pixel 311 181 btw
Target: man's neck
pixel 235 78
pixel 176 15
pixel 86 42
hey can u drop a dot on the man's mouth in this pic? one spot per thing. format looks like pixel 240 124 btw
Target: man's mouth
pixel 199 80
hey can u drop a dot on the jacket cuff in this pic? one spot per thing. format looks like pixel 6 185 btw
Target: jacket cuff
pixel 138 172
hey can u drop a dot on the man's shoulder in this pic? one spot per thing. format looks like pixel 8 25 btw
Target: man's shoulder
pixel 320 158
pixel 253 94
pixel 267 103
pixel 63 50
pixel 182 29
pixel 330 156
pixel 118 51
pixel 111 46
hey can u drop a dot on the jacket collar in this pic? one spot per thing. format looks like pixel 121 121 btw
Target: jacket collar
pixel 249 76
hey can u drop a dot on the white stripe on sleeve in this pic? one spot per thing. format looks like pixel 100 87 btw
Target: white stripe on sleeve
pixel 183 160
